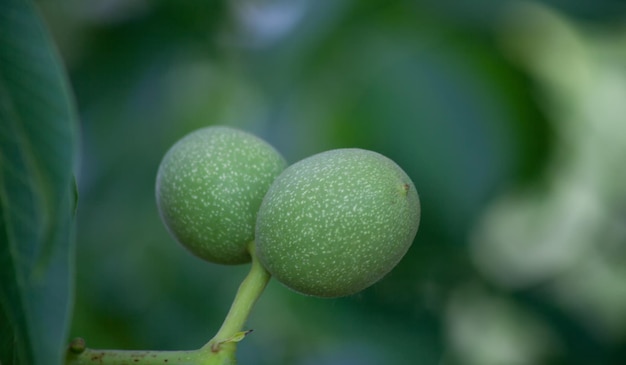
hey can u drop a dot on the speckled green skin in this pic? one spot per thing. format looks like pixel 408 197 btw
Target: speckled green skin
pixel 209 188
pixel 335 223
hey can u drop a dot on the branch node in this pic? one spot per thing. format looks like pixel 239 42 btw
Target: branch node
pixel 77 346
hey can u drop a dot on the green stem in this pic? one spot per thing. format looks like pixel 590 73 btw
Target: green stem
pixel 220 350
pixel 78 355
pixel 249 292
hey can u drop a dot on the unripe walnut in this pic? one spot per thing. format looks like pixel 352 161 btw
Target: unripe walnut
pixel 335 223
pixel 209 187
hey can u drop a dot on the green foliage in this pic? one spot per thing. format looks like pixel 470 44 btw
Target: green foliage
pixel 335 223
pixel 37 191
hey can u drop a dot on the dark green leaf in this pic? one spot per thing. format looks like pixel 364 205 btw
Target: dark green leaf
pixel 37 194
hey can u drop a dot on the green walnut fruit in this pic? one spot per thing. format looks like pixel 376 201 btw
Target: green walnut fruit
pixel 337 222
pixel 209 187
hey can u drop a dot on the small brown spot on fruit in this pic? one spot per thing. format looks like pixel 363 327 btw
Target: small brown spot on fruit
pixel 406 187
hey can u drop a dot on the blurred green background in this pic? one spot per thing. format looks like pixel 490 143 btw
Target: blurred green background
pixel 510 117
